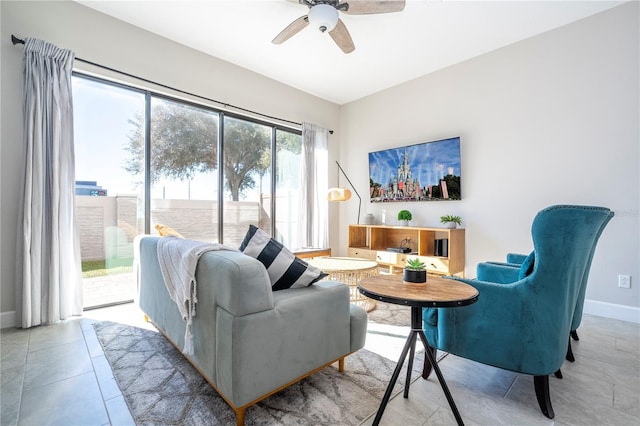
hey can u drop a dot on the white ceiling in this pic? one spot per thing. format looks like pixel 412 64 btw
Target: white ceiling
pixel 390 49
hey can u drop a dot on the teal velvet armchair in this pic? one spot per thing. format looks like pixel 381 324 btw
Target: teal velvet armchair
pixel 517 264
pixel 523 325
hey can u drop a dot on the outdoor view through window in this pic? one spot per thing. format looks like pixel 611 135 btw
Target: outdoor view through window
pixel 109 124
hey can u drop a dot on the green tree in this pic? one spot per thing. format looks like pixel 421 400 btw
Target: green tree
pixel 184 143
pixel 247 153
pixel 453 186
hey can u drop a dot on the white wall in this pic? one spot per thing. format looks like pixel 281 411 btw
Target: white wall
pixel 107 41
pixel 550 120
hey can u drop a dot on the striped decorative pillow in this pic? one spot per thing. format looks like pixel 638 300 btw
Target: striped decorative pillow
pixel 284 268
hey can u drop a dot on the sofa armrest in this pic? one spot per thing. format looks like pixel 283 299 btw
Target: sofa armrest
pixel 307 328
pixel 241 282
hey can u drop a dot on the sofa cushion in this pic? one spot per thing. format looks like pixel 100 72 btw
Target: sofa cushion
pixel 284 268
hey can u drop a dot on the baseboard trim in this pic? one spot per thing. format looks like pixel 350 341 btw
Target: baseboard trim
pixel 612 310
pixel 7 319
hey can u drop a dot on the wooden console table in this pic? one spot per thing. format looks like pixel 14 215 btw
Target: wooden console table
pixel 308 253
pixel 441 249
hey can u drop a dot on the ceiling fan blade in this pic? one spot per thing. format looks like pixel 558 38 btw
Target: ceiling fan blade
pixel 341 36
pixel 369 7
pixel 292 29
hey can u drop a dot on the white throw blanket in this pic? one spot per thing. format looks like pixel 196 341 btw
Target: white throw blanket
pixel 178 258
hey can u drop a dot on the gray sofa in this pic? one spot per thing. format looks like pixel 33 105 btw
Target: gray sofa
pixel 250 342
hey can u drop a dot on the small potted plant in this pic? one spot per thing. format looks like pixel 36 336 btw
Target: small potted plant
pixel 415 271
pixel 404 216
pixel 450 221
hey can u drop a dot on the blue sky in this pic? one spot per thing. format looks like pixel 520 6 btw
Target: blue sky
pixel 428 161
pixel 101 134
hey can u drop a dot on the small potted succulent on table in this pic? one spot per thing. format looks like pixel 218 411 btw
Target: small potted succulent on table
pixel 415 271
pixel 450 221
pixel 404 216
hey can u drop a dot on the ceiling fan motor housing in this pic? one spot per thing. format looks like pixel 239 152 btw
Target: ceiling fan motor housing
pixel 323 16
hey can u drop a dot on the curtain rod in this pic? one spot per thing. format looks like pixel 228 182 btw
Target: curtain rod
pixel 15 40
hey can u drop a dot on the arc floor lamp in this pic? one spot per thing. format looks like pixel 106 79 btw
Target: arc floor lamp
pixel 344 194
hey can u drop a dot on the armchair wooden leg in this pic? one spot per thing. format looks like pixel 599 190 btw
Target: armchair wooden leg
pixel 570 356
pixel 541 384
pixel 427 368
pixel 341 365
pixel 574 335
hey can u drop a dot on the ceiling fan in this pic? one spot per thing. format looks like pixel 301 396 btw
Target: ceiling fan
pixel 323 15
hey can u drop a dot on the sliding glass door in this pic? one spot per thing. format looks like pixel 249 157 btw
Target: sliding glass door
pixel 145 159
pixel 184 169
pixel 247 178
pixel 109 199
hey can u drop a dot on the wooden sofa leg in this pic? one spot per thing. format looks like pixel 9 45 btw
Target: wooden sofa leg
pixel 146 318
pixel 341 365
pixel 240 417
pixel 541 384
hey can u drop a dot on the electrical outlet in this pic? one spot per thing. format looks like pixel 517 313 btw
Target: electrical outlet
pixel 624 281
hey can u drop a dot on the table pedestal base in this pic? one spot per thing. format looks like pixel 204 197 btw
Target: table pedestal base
pixel 410 346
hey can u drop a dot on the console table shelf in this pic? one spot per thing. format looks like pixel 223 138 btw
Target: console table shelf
pixel 441 249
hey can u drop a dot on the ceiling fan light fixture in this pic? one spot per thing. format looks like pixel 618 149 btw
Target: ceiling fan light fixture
pixel 324 17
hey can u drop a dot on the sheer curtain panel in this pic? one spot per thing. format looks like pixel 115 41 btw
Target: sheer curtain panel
pixel 313 232
pixel 50 286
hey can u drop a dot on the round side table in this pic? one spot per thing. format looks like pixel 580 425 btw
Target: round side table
pixel 349 270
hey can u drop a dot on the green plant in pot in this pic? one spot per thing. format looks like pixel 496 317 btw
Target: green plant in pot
pixel 404 216
pixel 415 271
pixel 451 221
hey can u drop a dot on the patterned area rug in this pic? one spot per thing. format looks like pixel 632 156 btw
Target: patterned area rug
pixel 161 387
pixel 387 313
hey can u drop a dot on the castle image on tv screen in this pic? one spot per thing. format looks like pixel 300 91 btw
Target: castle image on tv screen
pixel 423 172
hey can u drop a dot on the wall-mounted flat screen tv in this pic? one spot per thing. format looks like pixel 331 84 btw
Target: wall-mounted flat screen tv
pixel 427 171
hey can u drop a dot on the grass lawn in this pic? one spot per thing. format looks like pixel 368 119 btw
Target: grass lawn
pixel 98 268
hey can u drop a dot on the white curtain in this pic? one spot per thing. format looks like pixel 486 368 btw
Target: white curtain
pixel 313 230
pixel 50 286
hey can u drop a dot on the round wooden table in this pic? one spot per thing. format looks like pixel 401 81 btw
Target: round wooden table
pixel 349 270
pixel 437 292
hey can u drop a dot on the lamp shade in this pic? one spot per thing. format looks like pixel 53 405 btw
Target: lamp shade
pixel 338 194
pixel 323 16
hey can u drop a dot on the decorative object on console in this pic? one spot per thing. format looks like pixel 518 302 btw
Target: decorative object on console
pixel 404 216
pixel 441 247
pixel 415 271
pixel 284 268
pixel 423 172
pixel 343 194
pixel 450 221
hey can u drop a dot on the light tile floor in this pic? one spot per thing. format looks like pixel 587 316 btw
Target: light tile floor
pixel 58 375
